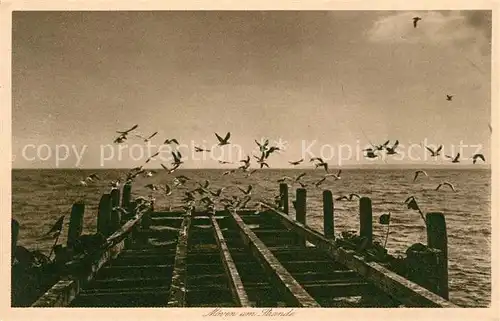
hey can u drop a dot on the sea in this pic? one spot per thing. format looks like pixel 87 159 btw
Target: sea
pixel 41 196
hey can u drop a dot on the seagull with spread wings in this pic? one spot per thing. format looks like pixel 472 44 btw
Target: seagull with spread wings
pixel 434 153
pixel 419 172
pixel 225 140
pixel 446 184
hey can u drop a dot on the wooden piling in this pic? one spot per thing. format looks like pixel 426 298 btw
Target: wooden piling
pixel 300 212
pixel 284 197
pixel 126 196
pixel 437 238
pixel 366 220
pixel 115 220
pixel 328 215
pixel 14 236
pixel 75 223
pixel 104 215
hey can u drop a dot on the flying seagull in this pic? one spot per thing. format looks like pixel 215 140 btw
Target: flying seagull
pixel 381 147
pixel 447 184
pixel 337 176
pixel 371 154
pixel 152 157
pixel 147 139
pixel 434 153
pixel 224 141
pixel 392 150
pixel 454 160
pixel 168 190
pixel 320 163
pixel 351 196
pixel 449 97
pixel 318 183
pixel 169 170
pixel 300 176
pixel 199 149
pixel 128 131
pixel 415 21
pixel 177 158
pixel 263 146
pixel 296 162
pixel 419 172
pixel 170 141
pixel 283 179
pixel 248 191
pixel 476 156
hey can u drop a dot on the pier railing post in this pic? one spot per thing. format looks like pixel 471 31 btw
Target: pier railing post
pixel 104 215
pixel 328 215
pixel 284 197
pixel 126 196
pixel 300 212
pixel 437 238
pixel 75 223
pixel 115 217
pixel 366 220
pixel 115 197
pixel 14 236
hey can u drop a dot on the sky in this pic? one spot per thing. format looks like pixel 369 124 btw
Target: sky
pixel 309 81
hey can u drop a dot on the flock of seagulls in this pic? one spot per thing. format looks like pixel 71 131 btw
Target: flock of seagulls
pixel 205 196
pixel 265 151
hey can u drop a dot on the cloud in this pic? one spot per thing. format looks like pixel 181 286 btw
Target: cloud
pixel 461 28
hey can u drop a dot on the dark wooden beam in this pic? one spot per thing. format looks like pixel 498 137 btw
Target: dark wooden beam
pixel 177 297
pixel 292 291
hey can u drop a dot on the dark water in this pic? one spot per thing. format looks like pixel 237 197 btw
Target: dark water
pixel 39 197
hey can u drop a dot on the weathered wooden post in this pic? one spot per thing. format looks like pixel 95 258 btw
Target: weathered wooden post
pixel 75 223
pixel 284 197
pixel 126 196
pixel 132 236
pixel 115 217
pixel 300 212
pixel 328 216
pixel 104 215
pixel 437 238
pixel 366 220
pixel 14 236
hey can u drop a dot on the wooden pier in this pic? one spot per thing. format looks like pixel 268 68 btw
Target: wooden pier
pixel 243 258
